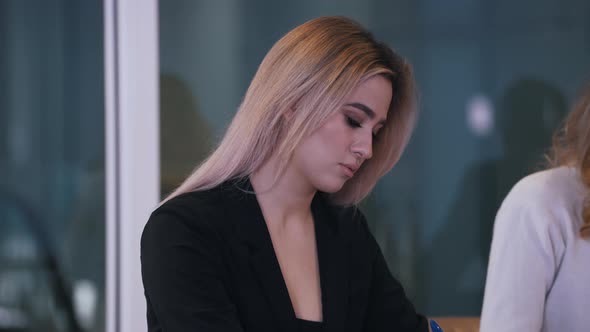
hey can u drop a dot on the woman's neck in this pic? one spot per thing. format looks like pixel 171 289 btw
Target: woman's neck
pixel 285 199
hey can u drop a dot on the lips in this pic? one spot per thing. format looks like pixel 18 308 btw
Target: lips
pixel 349 169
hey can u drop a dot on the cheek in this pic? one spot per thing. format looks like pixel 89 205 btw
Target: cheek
pixel 325 146
pixel 333 135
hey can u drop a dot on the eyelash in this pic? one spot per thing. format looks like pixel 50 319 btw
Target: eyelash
pixel 355 124
pixel 352 122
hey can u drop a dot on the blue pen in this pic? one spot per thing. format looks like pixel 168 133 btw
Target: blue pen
pixel 435 327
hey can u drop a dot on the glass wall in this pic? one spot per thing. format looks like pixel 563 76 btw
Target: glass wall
pixel 52 210
pixel 495 78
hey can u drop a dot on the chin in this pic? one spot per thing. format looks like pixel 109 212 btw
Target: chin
pixel 331 187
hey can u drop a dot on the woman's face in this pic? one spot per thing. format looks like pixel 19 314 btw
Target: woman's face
pixel 331 155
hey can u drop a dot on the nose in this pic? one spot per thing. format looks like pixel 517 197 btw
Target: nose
pixel 363 147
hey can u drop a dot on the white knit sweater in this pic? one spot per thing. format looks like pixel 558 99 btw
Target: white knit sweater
pixel 539 270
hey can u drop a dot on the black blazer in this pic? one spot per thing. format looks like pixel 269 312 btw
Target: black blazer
pixel 208 265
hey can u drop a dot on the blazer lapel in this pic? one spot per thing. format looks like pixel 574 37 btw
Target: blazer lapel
pixel 264 263
pixel 333 262
pixel 332 258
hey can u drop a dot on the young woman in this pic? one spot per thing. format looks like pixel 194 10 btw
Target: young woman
pixel 538 269
pixel 264 235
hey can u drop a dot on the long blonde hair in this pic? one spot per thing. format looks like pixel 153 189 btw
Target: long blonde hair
pixel 309 72
pixel 571 147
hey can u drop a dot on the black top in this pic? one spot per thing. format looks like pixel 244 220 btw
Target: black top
pixel 309 326
pixel 208 264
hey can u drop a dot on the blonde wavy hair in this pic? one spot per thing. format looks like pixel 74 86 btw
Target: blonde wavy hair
pixel 571 147
pixel 309 72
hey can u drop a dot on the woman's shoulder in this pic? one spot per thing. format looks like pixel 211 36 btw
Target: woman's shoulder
pixel 199 211
pixel 547 200
pixel 193 203
pixel 552 187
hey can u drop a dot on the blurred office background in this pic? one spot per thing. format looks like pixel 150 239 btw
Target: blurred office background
pixel 51 166
pixel 495 79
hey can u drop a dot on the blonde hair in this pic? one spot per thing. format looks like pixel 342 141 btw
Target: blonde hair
pixel 571 147
pixel 309 72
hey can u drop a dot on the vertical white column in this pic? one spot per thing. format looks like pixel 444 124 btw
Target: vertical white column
pixel 132 151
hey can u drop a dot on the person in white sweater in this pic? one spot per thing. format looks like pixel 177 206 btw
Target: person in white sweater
pixel 539 268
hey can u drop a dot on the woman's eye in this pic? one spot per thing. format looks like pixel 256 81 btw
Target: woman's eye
pixel 352 122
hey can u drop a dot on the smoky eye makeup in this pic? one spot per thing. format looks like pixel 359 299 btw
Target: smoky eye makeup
pixel 376 135
pixel 353 119
pixel 352 122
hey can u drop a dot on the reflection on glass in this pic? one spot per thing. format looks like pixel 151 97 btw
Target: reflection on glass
pixel 51 160
pixel 184 133
pixel 433 214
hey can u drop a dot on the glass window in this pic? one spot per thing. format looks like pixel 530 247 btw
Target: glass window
pixel 495 78
pixel 52 209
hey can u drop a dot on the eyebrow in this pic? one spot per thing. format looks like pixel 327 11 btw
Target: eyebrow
pixel 366 109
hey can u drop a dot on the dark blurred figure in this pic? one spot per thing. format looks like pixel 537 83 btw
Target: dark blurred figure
pixel 186 138
pixel 527 115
